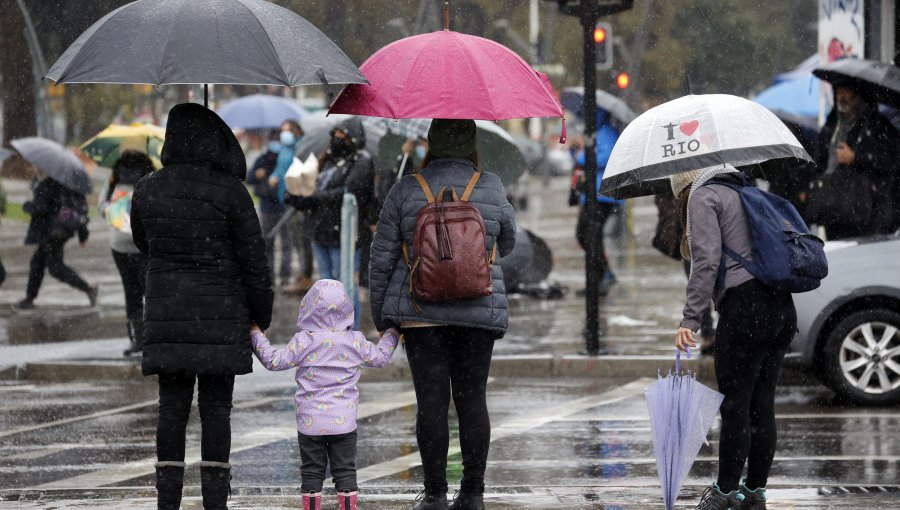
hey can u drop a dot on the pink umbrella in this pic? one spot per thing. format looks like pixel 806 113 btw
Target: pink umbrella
pixel 448 75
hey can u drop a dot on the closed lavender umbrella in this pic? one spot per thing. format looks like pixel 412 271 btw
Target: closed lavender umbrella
pixel 681 413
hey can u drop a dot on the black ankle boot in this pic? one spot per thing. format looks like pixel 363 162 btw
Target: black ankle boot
pixel 467 501
pixel 428 501
pixel 169 482
pixel 215 484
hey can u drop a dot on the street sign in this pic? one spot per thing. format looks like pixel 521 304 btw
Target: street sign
pixel 551 69
pixel 596 7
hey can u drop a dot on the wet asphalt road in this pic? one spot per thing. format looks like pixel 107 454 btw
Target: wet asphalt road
pixel 557 443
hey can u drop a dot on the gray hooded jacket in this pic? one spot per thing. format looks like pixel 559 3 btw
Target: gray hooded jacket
pixel 388 275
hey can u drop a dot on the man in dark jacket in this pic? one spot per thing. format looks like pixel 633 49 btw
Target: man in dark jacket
pixel 345 168
pixel 271 208
pixel 207 283
pixel 860 143
pixel 45 231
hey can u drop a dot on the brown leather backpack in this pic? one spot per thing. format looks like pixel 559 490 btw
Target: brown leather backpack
pixel 448 242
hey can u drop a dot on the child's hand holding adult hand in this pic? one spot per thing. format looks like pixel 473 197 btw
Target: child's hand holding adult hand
pixel 254 328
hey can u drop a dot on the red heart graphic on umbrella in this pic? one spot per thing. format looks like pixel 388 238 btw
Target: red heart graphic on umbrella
pixel 689 127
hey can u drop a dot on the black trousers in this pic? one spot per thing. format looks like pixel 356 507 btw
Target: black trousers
pixel 589 230
pixel 49 256
pixel 176 391
pixel 133 270
pixel 447 361
pixel 756 325
pixel 337 452
pixel 2 273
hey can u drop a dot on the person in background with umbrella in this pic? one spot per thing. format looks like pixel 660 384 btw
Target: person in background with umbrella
pixel 857 144
pixel 448 344
pixel 590 230
pixel 207 282
pixel 345 167
pixel 756 325
pixel 57 215
pixel 266 186
pixel 115 205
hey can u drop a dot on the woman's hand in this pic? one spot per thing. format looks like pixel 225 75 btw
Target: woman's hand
pixel 254 328
pixel 684 339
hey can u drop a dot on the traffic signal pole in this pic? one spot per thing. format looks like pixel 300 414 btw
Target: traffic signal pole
pixel 589 19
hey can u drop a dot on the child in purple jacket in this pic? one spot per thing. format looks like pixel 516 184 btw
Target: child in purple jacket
pixel 327 354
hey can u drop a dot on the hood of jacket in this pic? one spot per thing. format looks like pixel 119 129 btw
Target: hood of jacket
pixel 325 307
pixel 195 134
pixel 355 130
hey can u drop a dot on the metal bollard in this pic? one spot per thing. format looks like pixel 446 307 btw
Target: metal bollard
pixel 349 232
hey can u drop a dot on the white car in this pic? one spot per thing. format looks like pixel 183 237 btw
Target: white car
pixel 849 328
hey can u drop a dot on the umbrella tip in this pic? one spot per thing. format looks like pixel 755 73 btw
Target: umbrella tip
pixel 446 16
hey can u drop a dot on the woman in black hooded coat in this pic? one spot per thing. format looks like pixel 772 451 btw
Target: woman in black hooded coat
pixel 207 282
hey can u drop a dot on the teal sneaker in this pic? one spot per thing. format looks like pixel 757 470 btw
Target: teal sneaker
pixel 714 499
pixel 753 500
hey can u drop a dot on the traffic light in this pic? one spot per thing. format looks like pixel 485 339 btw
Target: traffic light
pixel 604 43
pixel 623 80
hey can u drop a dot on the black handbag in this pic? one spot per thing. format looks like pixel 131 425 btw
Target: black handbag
pixel 842 198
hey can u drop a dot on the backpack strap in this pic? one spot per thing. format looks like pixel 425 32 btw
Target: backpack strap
pixel 470 187
pixel 425 189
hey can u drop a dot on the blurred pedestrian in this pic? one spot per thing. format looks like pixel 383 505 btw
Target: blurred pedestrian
pixel 756 325
pixel 57 215
pixel 345 167
pixel 299 225
pixel 207 282
pixel 858 192
pixel 3 204
pixel 115 205
pixel 589 229
pixel 271 205
pixel 326 349
pixel 449 343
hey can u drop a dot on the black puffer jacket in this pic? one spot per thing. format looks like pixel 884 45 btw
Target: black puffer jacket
pixel 354 173
pixel 207 275
pixel 388 275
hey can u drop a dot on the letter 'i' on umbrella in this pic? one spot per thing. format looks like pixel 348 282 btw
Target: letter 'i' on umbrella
pixel 238 42
pixel 681 413
pixel 694 132
pixel 448 75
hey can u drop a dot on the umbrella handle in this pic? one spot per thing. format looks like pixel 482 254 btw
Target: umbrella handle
pixel 678 359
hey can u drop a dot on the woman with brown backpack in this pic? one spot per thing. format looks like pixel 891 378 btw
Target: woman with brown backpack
pixel 433 276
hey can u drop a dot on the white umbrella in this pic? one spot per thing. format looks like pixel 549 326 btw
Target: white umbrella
pixel 693 132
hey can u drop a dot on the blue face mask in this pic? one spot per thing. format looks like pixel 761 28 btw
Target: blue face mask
pixel 274 146
pixel 287 138
pixel 420 152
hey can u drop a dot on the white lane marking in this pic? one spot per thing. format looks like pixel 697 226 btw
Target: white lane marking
pixel 36 454
pixel 782 416
pixel 19 387
pixel 254 439
pixel 514 427
pixel 76 419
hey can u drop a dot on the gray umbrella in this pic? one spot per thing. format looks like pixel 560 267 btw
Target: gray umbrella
pixel 55 161
pixel 877 78
pixel 572 99
pixel 213 41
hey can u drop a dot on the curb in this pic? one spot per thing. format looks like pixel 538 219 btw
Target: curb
pixel 64 326
pixel 505 366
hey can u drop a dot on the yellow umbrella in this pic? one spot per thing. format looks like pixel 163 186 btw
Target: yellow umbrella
pixel 106 146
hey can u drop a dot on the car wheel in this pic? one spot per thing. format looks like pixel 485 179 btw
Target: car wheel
pixel 862 357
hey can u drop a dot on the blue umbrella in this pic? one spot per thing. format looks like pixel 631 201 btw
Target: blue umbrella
pixel 681 413
pixel 797 98
pixel 260 111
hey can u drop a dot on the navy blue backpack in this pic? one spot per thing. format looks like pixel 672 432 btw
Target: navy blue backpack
pixel 785 255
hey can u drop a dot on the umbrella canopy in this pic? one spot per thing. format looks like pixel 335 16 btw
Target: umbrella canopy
pixel 572 99
pixel 105 147
pixel 876 78
pixel 681 413
pixel 694 132
pixel 794 100
pixel 260 111
pixel 214 41
pixel 448 75
pixel 498 152
pixel 55 161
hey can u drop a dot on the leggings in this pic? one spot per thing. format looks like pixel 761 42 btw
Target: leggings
pixel 176 391
pixel 447 361
pixel 756 325
pixel 49 257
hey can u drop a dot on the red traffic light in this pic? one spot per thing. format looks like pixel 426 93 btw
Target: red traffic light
pixel 623 80
pixel 599 35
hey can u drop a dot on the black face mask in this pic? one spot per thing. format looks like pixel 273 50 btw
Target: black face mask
pixel 339 147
